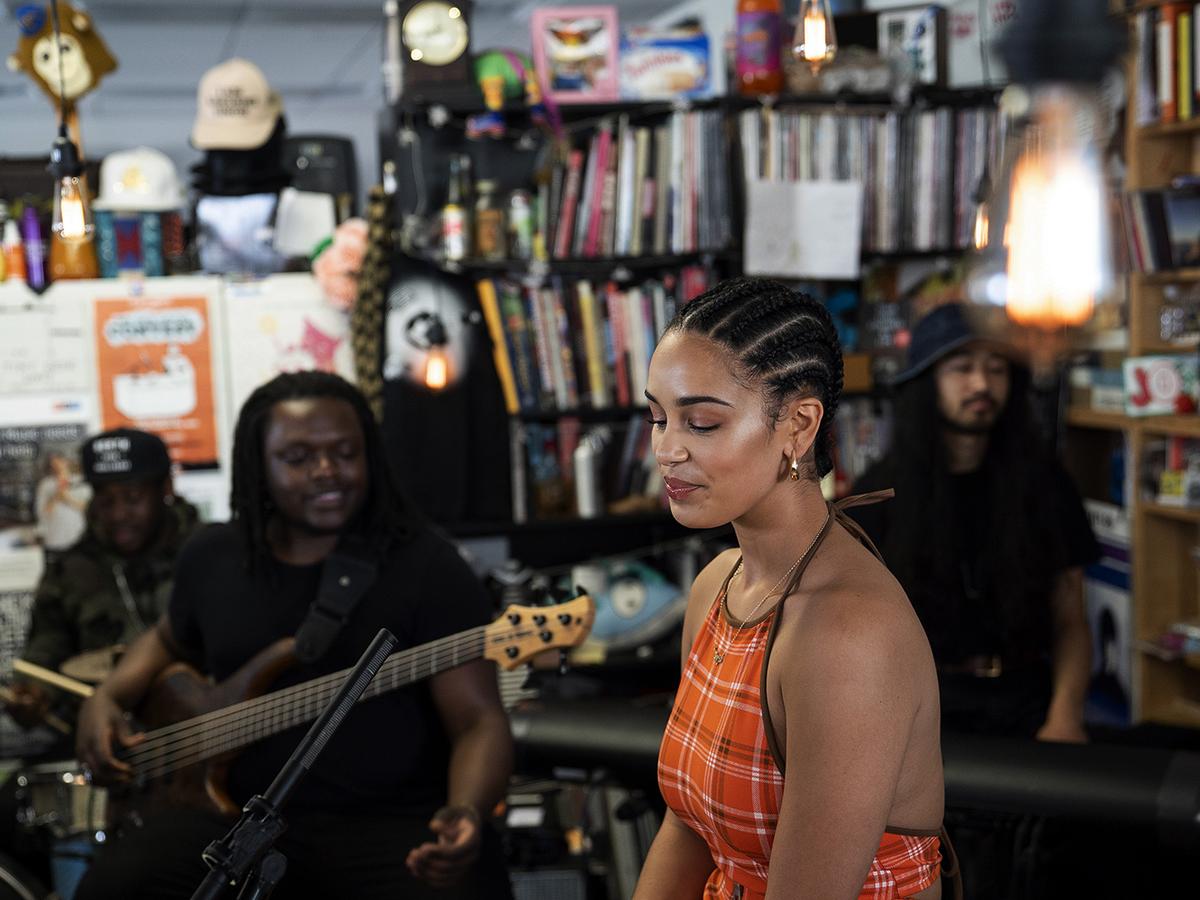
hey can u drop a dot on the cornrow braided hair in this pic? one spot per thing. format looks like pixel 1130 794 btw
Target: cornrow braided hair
pixel 779 338
pixel 386 516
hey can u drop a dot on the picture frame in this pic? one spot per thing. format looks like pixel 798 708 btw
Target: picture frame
pixel 575 53
pixel 916 34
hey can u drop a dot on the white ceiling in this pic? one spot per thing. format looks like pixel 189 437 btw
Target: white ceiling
pixel 323 56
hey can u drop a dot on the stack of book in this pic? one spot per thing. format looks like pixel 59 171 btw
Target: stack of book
pixel 633 190
pixel 572 344
pixel 919 169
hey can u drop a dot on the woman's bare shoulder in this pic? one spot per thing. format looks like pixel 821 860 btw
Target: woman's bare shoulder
pixel 856 604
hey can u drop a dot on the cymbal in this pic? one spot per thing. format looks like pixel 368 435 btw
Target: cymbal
pixel 93 666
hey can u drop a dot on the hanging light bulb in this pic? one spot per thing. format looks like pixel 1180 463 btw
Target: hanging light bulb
pixel 72 218
pixel 1059 263
pixel 437 368
pixel 427 332
pixel 1041 232
pixel 816 41
pixel 983 200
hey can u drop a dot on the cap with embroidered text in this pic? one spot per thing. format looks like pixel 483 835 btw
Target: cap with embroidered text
pixel 124 454
pixel 236 108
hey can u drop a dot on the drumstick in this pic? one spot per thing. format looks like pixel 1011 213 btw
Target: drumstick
pixel 49 676
pixel 7 696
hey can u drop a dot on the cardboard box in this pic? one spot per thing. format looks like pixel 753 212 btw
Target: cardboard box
pixel 664 64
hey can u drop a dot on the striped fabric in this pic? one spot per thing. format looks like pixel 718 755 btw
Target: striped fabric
pixel 717 774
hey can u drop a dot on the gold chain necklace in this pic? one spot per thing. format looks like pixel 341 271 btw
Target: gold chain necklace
pixel 718 656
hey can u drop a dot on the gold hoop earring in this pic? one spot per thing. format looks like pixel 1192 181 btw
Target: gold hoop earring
pixel 794 470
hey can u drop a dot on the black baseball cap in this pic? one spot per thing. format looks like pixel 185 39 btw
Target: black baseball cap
pixel 124 454
pixel 940 333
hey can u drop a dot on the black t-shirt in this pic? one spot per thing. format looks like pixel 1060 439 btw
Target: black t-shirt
pixel 391 751
pixel 961 612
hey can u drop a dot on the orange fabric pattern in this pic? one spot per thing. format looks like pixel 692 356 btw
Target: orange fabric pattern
pixel 717 774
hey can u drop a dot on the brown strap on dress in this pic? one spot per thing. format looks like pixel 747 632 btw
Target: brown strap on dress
pixel 840 507
pixel 768 725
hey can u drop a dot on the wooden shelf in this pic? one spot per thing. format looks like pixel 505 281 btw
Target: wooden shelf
pixel 1170 129
pixel 1082 417
pixel 1182 712
pixel 1181 426
pixel 1170 276
pixel 1189 514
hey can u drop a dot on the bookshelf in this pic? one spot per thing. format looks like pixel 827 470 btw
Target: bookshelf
pixel 555 402
pixel 1166 578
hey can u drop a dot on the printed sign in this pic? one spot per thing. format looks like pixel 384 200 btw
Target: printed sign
pixel 154 361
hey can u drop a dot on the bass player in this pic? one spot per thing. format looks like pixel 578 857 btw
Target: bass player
pixel 321 546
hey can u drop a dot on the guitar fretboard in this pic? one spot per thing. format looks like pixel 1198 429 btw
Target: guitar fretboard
pixel 225 730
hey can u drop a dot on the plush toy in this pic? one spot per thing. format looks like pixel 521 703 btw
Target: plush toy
pixel 508 75
pixel 85 58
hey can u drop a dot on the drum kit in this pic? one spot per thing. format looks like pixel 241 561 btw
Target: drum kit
pixel 56 801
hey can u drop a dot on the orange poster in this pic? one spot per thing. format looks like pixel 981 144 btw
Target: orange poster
pixel 154 360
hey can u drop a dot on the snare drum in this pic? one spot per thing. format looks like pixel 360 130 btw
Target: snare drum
pixel 59 798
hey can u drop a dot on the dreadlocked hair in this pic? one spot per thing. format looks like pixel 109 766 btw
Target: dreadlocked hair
pixel 781 339
pixel 386 516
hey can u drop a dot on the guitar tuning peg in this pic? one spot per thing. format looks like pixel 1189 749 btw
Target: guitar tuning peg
pixel 579 590
pixel 562 661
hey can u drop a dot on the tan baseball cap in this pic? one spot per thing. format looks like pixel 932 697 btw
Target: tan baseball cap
pixel 236 108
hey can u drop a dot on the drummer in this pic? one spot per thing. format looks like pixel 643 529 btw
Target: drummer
pixel 115 581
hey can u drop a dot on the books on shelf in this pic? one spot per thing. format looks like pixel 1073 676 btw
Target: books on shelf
pixel 1165 40
pixel 630 189
pixel 919 168
pixel 624 467
pixel 1161 229
pixel 572 343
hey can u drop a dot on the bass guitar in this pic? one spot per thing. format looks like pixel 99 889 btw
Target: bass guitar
pixel 210 723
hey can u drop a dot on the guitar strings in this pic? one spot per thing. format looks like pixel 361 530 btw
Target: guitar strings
pixel 185 749
pixel 210 733
pixel 323 687
pixel 315 683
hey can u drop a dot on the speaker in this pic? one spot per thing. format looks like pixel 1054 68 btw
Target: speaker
pixel 324 164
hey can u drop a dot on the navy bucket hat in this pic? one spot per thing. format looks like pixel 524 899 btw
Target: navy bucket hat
pixel 935 337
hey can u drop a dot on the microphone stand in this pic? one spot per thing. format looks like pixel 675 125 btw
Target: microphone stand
pixel 249 845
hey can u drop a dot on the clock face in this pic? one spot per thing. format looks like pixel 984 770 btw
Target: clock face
pixel 435 33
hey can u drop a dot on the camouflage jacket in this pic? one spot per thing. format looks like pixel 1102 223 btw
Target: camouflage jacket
pixel 90 597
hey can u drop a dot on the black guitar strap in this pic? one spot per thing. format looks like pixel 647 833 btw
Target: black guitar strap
pixel 348 573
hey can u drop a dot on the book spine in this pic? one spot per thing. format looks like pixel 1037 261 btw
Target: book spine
pixel 594 342
pixel 504 370
pixel 570 205
pixel 1168 110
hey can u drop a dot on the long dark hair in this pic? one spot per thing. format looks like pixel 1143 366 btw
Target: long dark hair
pixel 1021 548
pixel 781 338
pixel 386 516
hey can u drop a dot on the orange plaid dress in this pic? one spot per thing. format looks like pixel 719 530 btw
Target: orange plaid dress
pixel 717 773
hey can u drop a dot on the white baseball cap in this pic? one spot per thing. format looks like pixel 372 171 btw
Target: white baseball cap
pixel 236 108
pixel 139 180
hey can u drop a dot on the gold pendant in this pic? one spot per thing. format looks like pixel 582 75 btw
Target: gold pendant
pixel 718 657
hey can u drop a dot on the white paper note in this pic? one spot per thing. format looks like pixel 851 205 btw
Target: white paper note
pixel 804 229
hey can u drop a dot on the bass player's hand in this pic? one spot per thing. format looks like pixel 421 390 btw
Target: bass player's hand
pixel 102 729
pixel 443 862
